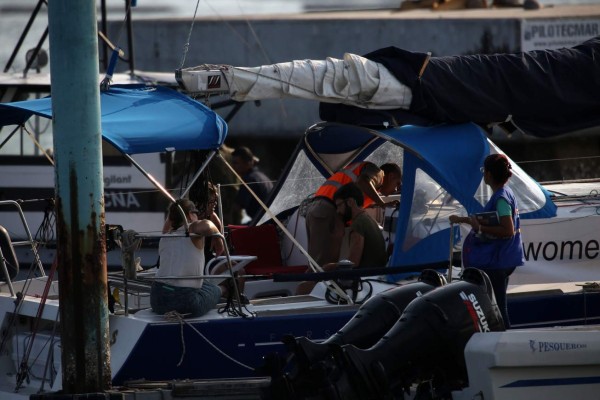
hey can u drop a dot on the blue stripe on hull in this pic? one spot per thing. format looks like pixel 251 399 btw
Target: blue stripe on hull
pixel 591 380
pixel 160 348
pixel 554 309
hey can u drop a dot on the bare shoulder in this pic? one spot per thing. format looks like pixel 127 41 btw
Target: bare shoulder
pixel 203 227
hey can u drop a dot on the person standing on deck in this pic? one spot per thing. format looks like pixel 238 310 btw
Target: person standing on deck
pixel 497 248
pixel 244 163
pixel 324 226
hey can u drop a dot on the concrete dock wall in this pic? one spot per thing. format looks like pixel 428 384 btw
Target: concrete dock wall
pixel 264 40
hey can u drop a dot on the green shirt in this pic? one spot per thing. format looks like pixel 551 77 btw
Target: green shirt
pixel 503 208
pixel 374 250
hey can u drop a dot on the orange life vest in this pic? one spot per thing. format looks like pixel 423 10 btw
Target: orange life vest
pixel 339 179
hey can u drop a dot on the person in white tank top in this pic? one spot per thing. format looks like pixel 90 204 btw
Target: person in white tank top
pixel 184 257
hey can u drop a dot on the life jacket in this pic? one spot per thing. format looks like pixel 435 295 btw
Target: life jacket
pixel 498 253
pixel 339 179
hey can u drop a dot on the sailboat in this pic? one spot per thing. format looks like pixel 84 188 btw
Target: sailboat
pixel 237 344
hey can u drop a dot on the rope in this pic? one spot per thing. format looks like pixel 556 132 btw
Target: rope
pixel 50 359
pixel 230 307
pixel 46 230
pixel 174 316
pixel 129 243
pixel 186 46
pixel 38 145
pixel 557 159
pixel 258 41
pixel 123 23
pixel 23 372
pixel 242 37
pixel 311 262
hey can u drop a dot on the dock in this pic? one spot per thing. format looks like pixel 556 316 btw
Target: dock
pixel 222 389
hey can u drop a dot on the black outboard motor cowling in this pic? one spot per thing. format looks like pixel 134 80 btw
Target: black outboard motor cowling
pixel 426 344
pixel 373 319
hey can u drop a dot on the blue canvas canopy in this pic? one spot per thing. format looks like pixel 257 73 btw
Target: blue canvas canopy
pixel 140 119
pixel 441 176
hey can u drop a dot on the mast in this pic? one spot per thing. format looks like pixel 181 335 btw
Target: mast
pixel 79 194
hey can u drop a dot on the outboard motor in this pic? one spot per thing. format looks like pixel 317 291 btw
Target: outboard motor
pixel 373 319
pixel 426 344
pixel 9 258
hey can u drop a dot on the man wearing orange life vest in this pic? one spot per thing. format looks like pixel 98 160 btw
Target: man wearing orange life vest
pixel 324 226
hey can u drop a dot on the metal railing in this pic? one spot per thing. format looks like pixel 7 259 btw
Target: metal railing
pixel 29 242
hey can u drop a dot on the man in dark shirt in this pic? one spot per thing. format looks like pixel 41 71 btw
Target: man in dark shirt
pixel 367 246
pixel 366 243
pixel 244 163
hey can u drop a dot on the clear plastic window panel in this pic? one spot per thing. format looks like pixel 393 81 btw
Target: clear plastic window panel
pixel 431 207
pixel 387 153
pixel 302 181
pixel 530 196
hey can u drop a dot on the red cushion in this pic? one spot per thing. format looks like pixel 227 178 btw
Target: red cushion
pixel 261 241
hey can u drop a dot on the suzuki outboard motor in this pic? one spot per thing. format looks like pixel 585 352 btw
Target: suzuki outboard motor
pixel 426 344
pixel 373 319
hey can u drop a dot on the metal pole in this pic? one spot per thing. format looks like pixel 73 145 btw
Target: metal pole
pixel 23 35
pixel 451 252
pixel 79 194
pixel 103 30
pixel 130 58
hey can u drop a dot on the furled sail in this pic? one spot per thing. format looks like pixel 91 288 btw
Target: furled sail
pixel 353 80
pixel 543 93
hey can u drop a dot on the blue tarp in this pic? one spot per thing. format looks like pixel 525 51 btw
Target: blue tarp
pixel 140 119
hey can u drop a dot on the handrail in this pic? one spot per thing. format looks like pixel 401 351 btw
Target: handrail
pixel 228 257
pixel 29 241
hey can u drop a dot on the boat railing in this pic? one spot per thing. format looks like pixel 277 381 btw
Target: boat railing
pixel 29 242
pixel 232 263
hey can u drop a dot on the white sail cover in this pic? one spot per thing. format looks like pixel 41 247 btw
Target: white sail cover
pixel 354 80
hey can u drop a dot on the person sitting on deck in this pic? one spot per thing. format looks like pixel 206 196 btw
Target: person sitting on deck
pixel 182 260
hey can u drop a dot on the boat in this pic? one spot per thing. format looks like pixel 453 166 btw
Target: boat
pixel 448 343
pixel 27 151
pixel 391 88
pixel 235 338
pixel 30 356
pixel 236 345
